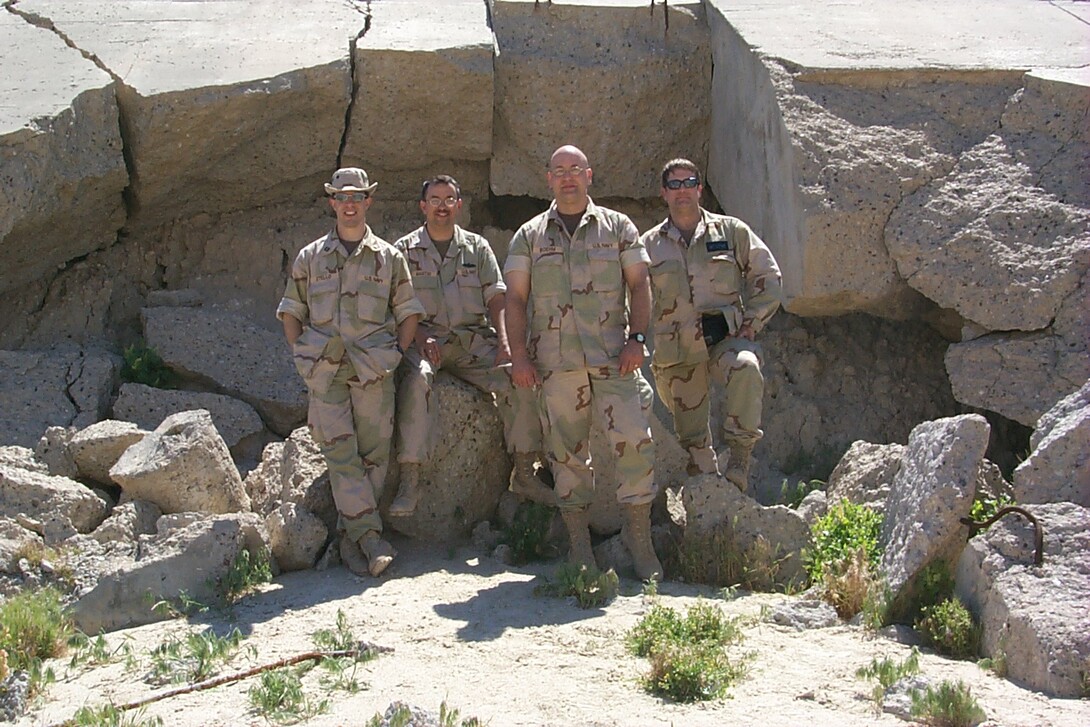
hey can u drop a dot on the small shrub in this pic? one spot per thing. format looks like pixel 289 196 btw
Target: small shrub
pixel 246 573
pixel 691 672
pixel 589 586
pixel 996 664
pixel 33 628
pixel 706 557
pixel 848 585
pixel 887 672
pixel 876 605
pixel 279 697
pixel 947 705
pixel 687 656
pixel 528 534
pixel 142 365
pixel 87 651
pixel 950 628
pixel 341 671
pixel 844 529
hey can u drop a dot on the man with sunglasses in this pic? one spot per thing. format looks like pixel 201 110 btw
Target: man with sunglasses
pixel 576 265
pixel 458 281
pixel 716 285
pixel 349 311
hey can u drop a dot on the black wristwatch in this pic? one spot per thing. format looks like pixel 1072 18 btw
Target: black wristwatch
pixel 637 337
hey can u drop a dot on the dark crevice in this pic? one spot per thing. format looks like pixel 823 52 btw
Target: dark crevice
pixel 75 371
pixel 364 9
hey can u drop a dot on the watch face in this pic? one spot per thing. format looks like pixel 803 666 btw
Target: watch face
pixel 638 338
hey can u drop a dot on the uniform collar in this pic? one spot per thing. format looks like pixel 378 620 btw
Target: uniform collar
pixel 591 212
pixel 670 230
pixel 333 244
pixel 424 239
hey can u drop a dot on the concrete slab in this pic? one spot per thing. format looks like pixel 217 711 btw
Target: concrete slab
pixel 60 154
pixel 864 34
pixel 160 46
pixel 423 102
pixel 227 105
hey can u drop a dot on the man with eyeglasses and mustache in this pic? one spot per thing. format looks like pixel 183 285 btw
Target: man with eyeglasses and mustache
pixel 349 312
pixel 577 265
pixel 458 281
pixel 716 285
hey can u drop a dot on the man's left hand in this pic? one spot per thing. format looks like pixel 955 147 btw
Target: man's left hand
pixel 744 331
pixel 631 357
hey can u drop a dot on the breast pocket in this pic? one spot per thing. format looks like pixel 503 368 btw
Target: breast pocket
pixel 548 275
pixel 322 296
pixel 469 290
pixel 374 300
pixel 605 269
pixel 428 292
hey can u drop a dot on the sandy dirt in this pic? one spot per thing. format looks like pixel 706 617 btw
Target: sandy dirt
pixel 470 630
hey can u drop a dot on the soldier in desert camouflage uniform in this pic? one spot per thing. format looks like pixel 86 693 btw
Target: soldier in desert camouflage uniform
pixel 574 264
pixel 348 312
pixel 715 287
pixel 457 280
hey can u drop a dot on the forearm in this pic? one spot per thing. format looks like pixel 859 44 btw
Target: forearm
pixel 293 328
pixel 497 316
pixel 406 331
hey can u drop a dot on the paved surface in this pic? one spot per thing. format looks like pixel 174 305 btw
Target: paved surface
pixel 906 34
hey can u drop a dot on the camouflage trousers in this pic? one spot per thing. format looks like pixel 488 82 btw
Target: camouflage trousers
pixel 353 423
pixel 684 388
pixel 417 413
pixel 570 399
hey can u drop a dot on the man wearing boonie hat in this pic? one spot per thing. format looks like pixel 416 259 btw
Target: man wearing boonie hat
pixel 349 311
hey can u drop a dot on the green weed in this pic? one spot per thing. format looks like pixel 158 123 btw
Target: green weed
pixel 193 658
pixel 528 533
pixel 110 716
pixel 87 651
pixel 400 714
pixel 986 506
pixel 246 573
pixel 182 605
pixel 280 698
pixel 34 627
pixel 589 586
pixel 341 670
pixel 947 705
pixel 142 365
pixel 888 671
pixel 950 628
pixel 837 535
pixel 687 655
pixel 793 496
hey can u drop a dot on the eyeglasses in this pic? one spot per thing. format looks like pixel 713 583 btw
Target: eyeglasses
pixel 688 183
pixel 561 172
pixel 445 201
pixel 350 196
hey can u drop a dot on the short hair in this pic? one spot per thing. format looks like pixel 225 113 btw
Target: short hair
pixel 674 164
pixel 440 179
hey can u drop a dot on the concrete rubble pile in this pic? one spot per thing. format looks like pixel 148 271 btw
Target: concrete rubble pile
pixel 928 206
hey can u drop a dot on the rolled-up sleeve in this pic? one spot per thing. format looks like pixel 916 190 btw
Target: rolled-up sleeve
pixel 518 255
pixel 489 270
pixel 633 251
pixel 295 293
pixel 764 286
pixel 403 299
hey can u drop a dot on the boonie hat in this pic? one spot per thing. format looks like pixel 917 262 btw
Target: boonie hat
pixel 349 179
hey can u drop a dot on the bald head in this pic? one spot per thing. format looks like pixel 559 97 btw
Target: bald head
pixel 567 156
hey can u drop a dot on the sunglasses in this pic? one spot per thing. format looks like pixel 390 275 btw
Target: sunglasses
pixel 688 183
pixel 350 196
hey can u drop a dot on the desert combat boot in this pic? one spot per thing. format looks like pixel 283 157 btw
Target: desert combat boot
pixel 738 464
pixel 525 482
pixel 577 522
pixel 636 536
pixel 408 491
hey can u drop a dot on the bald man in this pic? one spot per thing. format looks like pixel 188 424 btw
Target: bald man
pixel 575 264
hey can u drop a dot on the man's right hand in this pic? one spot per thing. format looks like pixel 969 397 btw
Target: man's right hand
pixel 428 347
pixel 523 373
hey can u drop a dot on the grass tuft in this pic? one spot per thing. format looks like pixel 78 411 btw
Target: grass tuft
pixel 528 533
pixel 246 573
pixel 279 697
pixel 589 586
pixel 110 716
pixel 142 365
pixel 33 627
pixel 888 672
pixel 950 629
pixel 949 704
